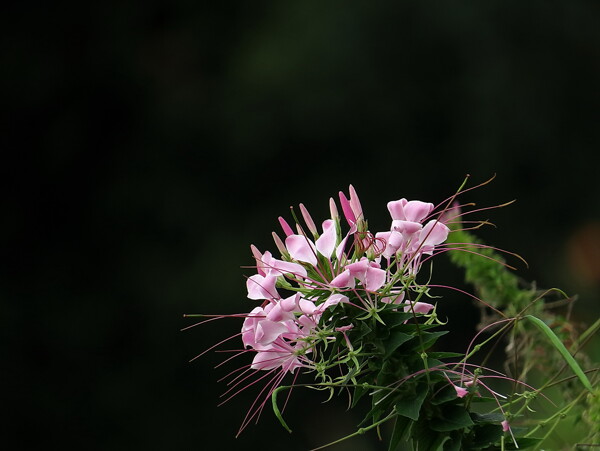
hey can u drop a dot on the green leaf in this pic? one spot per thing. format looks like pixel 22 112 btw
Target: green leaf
pixel 486 435
pixel 448 393
pixel 401 432
pixel 396 339
pixel 276 410
pixel 492 417
pixel 429 338
pixel 451 418
pixel 453 445
pixel 426 439
pixel 359 392
pixel 394 318
pixel 560 347
pixel 411 406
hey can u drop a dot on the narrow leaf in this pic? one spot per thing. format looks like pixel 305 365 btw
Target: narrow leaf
pixel 560 347
pixel 401 432
pixel 276 410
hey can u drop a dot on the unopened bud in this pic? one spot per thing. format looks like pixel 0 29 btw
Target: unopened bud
pixel 280 245
pixel 285 226
pixel 308 220
pixel 333 209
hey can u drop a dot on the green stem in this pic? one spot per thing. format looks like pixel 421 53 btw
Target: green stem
pixel 360 431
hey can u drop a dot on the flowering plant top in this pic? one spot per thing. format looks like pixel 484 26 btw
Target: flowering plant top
pixel 351 309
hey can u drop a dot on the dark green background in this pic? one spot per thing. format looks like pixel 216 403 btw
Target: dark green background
pixel 147 145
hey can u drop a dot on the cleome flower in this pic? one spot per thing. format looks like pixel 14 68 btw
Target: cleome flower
pixel 338 302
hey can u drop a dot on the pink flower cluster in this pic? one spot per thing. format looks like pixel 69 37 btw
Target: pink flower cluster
pixel 357 268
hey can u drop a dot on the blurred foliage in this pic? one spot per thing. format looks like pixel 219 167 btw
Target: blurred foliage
pixel 147 144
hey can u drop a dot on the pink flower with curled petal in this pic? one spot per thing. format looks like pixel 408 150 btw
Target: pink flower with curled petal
pixel 434 233
pixel 505 426
pixel 279 267
pixel 258 331
pixel 394 241
pixel 279 354
pixel 394 298
pixel 407 216
pixel 460 392
pixel 262 287
pixel 332 300
pixel 409 211
pixel 369 273
pixel 418 307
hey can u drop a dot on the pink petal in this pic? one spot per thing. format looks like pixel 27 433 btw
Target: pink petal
pixel 290 304
pixel 394 298
pixel 334 299
pixel 344 279
pixel 413 211
pixel 301 249
pixel 419 307
pixel 396 209
pixel 326 242
pixel 260 287
pixel 267 360
pixel 280 267
pixel 460 392
pixel 278 313
pixel 268 331
pixel 339 251
pixel 358 268
pixel 416 211
pixel 307 307
pixel 434 233
pixel 406 227
pixel 375 279
pixel 307 323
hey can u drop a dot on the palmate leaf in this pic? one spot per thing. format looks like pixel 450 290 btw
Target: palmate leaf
pixel 485 435
pixel 410 407
pixel 560 347
pixel 394 341
pixel 429 339
pixel 446 394
pixel 451 418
